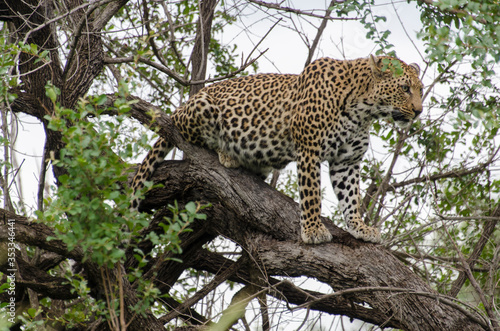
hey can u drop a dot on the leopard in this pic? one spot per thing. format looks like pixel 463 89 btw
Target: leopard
pixel 263 122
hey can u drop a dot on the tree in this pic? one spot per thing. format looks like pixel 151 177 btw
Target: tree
pixel 82 260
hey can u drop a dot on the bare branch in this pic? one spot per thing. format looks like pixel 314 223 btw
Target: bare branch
pixel 151 41
pixel 218 279
pixel 84 21
pixel 174 75
pixel 321 28
pixel 383 186
pixel 70 12
pixel 473 281
pixel 488 229
pixel 155 65
pixel 299 12
pixel 449 174
pixel 439 297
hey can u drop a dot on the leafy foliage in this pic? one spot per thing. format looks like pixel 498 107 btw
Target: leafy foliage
pixel 91 206
pixel 91 210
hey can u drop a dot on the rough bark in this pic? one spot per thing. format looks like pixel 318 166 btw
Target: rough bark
pixel 369 282
pixel 200 50
pixel 85 58
pixel 265 223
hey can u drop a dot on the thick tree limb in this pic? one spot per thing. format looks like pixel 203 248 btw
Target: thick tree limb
pixel 36 234
pixel 290 293
pixel 265 223
pixel 40 281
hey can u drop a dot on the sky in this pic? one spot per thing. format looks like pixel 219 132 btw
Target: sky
pixel 341 39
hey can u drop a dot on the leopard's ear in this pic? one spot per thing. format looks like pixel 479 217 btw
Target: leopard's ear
pixel 376 66
pixel 416 67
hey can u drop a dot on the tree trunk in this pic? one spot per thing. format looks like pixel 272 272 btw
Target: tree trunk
pixel 199 55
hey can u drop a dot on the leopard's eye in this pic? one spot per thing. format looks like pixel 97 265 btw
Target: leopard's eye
pixel 405 88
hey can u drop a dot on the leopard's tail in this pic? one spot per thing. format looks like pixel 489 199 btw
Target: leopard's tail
pixel 147 168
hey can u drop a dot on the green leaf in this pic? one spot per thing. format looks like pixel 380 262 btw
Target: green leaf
pixel 191 207
pixel 101 99
pixel 32 312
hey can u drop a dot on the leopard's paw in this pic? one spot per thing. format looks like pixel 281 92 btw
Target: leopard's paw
pixel 227 161
pixel 365 232
pixel 316 234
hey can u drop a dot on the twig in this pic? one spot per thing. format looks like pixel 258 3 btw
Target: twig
pixel 151 41
pixel 319 33
pixel 262 39
pixel 231 74
pixel 155 65
pixel 383 187
pixel 108 293
pixel 439 297
pixel 172 34
pixel 449 174
pixel 123 324
pixel 173 74
pixel 488 229
pixel 298 11
pixel 438 79
pixel 218 279
pixel 473 282
pixel 72 11
pixel 76 37
pixel 403 26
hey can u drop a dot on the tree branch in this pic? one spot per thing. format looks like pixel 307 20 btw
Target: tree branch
pixel 298 11
pixel 265 223
pixel 488 229
pixel 218 279
pixel 199 55
pixel 319 33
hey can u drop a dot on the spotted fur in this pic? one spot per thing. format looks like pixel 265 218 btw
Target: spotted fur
pixel 266 121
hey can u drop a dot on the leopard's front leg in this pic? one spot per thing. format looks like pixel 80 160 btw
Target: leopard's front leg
pixel 345 182
pixel 312 229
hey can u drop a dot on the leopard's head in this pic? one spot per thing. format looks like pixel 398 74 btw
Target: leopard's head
pixel 397 95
